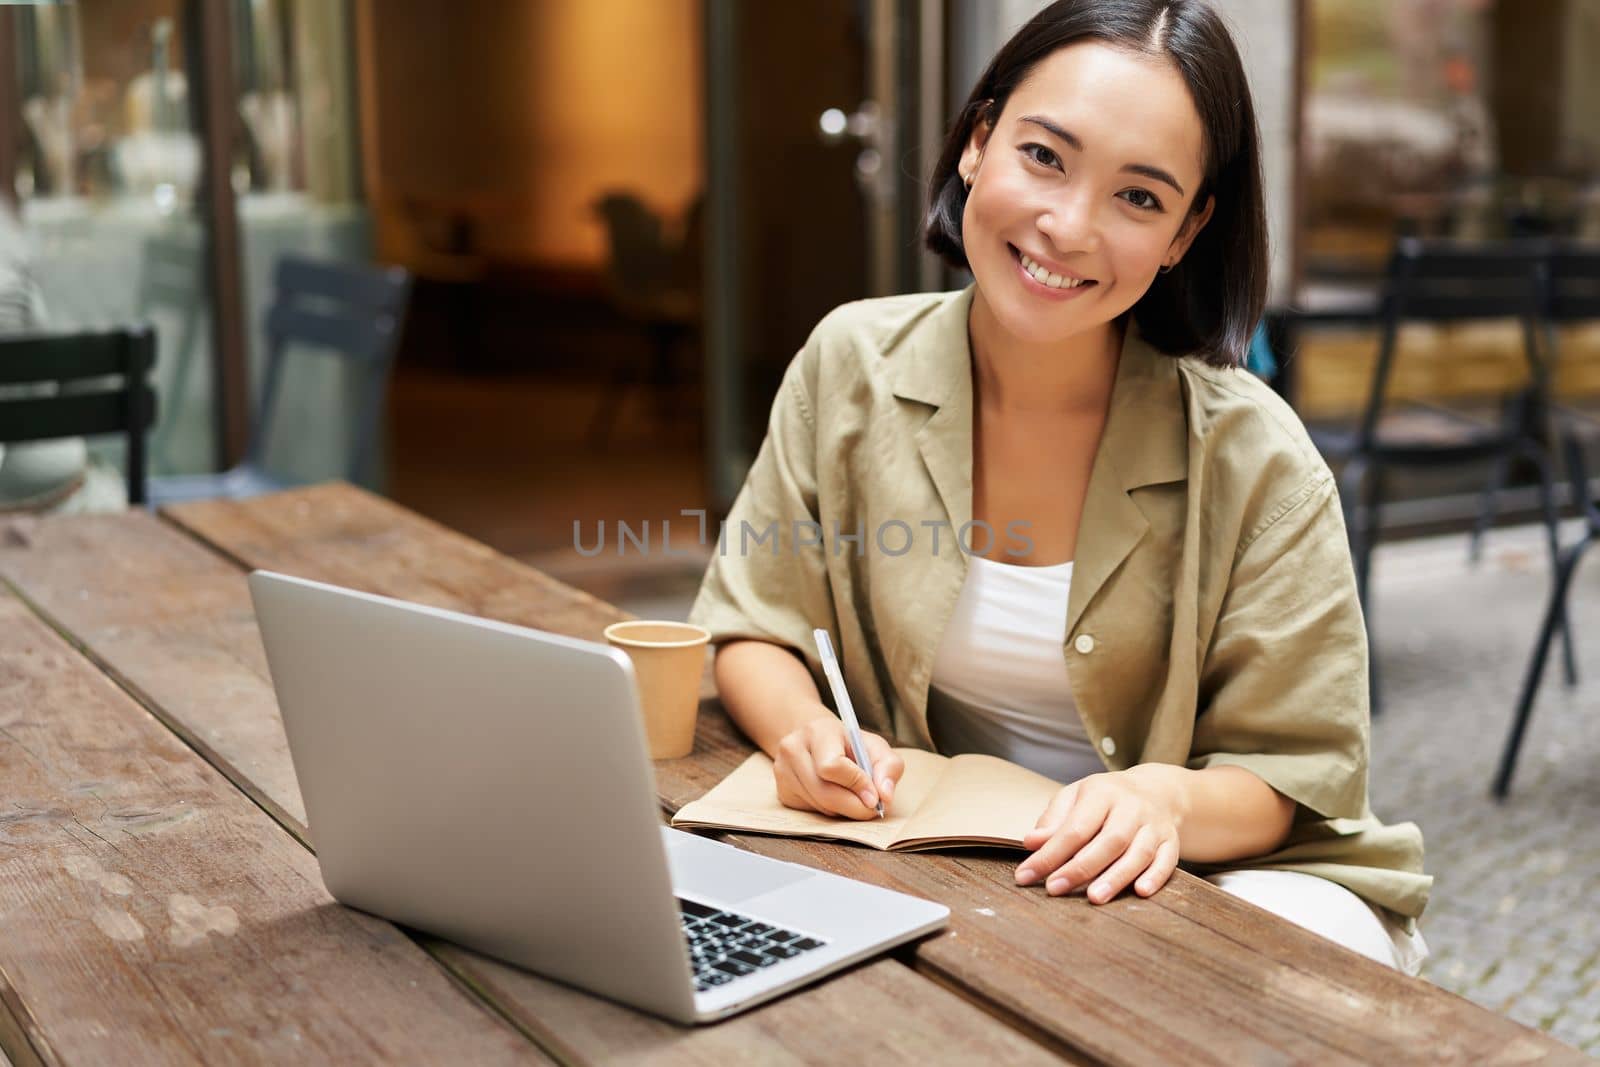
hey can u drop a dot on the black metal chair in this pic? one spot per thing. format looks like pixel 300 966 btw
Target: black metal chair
pixel 102 380
pixel 1435 281
pixel 1574 296
pixel 351 310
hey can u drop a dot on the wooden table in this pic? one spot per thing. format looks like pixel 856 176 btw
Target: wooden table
pixel 160 902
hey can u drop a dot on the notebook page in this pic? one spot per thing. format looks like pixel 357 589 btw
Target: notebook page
pixel 982 799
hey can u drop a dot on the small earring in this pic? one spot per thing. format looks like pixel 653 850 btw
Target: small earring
pixel 967 180
pixel 1166 268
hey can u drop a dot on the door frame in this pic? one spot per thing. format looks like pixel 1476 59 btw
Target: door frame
pixel 908 75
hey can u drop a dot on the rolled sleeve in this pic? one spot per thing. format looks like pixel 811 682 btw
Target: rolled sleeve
pixel 1283 689
pixel 765 581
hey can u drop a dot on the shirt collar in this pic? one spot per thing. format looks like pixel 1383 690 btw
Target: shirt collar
pixel 1145 438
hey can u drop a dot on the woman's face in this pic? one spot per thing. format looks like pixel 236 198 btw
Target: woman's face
pixel 1090 173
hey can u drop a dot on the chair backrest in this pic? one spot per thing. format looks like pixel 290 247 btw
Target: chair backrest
pixel 353 311
pixel 1451 281
pixel 109 374
pixel 1574 282
pixel 640 258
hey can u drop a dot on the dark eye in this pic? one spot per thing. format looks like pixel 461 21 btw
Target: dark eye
pixel 1041 155
pixel 1146 201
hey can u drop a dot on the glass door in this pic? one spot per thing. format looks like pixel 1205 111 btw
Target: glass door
pixel 162 156
pixel 105 175
pixel 296 179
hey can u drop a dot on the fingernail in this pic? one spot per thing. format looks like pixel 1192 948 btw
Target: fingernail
pixel 1027 876
pixel 1057 885
pixel 868 798
pixel 1101 890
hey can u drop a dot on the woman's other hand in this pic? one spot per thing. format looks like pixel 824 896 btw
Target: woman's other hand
pixel 1107 831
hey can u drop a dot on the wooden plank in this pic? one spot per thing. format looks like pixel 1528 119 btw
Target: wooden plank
pixel 15 1048
pixel 154 915
pixel 337 532
pixel 356 539
pixel 1192 975
pixel 881 1012
pixel 171 621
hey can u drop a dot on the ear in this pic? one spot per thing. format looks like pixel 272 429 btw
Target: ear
pixel 1192 225
pixel 972 154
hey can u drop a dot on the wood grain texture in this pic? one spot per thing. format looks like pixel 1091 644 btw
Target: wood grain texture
pixel 336 531
pixel 356 539
pixel 171 621
pixel 879 1012
pixel 152 914
pixel 1192 975
pixel 15 1048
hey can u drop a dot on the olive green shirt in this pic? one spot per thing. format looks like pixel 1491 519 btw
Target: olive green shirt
pixel 1212 617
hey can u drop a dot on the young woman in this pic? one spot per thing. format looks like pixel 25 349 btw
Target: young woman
pixel 1047 519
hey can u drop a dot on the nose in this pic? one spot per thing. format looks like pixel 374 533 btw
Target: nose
pixel 1068 221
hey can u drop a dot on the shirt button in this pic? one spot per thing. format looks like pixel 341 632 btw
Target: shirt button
pixel 1084 644
pixel 1108 746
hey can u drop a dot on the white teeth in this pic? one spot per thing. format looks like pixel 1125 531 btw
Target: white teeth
pixel 1044 277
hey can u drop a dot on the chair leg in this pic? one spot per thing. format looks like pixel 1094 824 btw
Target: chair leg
pixel 663 379
pixel 1370 505
pixel 1369 541
pixel 1352 485
pixel 1488 506
pixel 1552 521
pixel 604 419
pixel 1359 496
pixel 1565 567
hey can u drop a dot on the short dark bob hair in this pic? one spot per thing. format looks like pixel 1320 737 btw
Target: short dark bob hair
pixel 1209 304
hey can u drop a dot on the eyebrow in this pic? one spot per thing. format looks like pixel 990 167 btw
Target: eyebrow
pixel 1153 173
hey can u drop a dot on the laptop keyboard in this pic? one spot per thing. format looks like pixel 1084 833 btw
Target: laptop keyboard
pixel 724 945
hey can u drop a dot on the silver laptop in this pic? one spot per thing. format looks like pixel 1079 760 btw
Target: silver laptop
pixel 491 784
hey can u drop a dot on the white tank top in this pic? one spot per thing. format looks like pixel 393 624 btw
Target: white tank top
pixel 999 683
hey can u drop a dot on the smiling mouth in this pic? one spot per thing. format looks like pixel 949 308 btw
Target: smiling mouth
pixel 1045 277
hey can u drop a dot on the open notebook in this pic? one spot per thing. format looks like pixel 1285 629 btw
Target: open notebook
pixel 940 802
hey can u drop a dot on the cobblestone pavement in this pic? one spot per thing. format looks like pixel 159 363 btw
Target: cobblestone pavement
pixel 1514 920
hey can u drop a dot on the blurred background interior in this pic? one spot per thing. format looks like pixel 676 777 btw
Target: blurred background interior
pixel 521 264
pixel 587 333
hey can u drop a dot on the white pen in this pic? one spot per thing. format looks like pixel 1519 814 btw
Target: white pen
pixel 847 711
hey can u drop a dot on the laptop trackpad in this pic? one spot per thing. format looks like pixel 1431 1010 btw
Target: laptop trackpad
pixel 702 868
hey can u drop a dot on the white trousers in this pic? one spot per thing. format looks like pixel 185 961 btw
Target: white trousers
pixel 1331 910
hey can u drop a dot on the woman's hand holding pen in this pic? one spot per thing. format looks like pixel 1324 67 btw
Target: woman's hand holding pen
pixel 1107 831
pixel 815 771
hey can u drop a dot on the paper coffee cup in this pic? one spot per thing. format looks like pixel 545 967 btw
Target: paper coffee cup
pixel 668 660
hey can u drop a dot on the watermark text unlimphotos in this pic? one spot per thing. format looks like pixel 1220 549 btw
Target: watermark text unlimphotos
pixel 892 537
